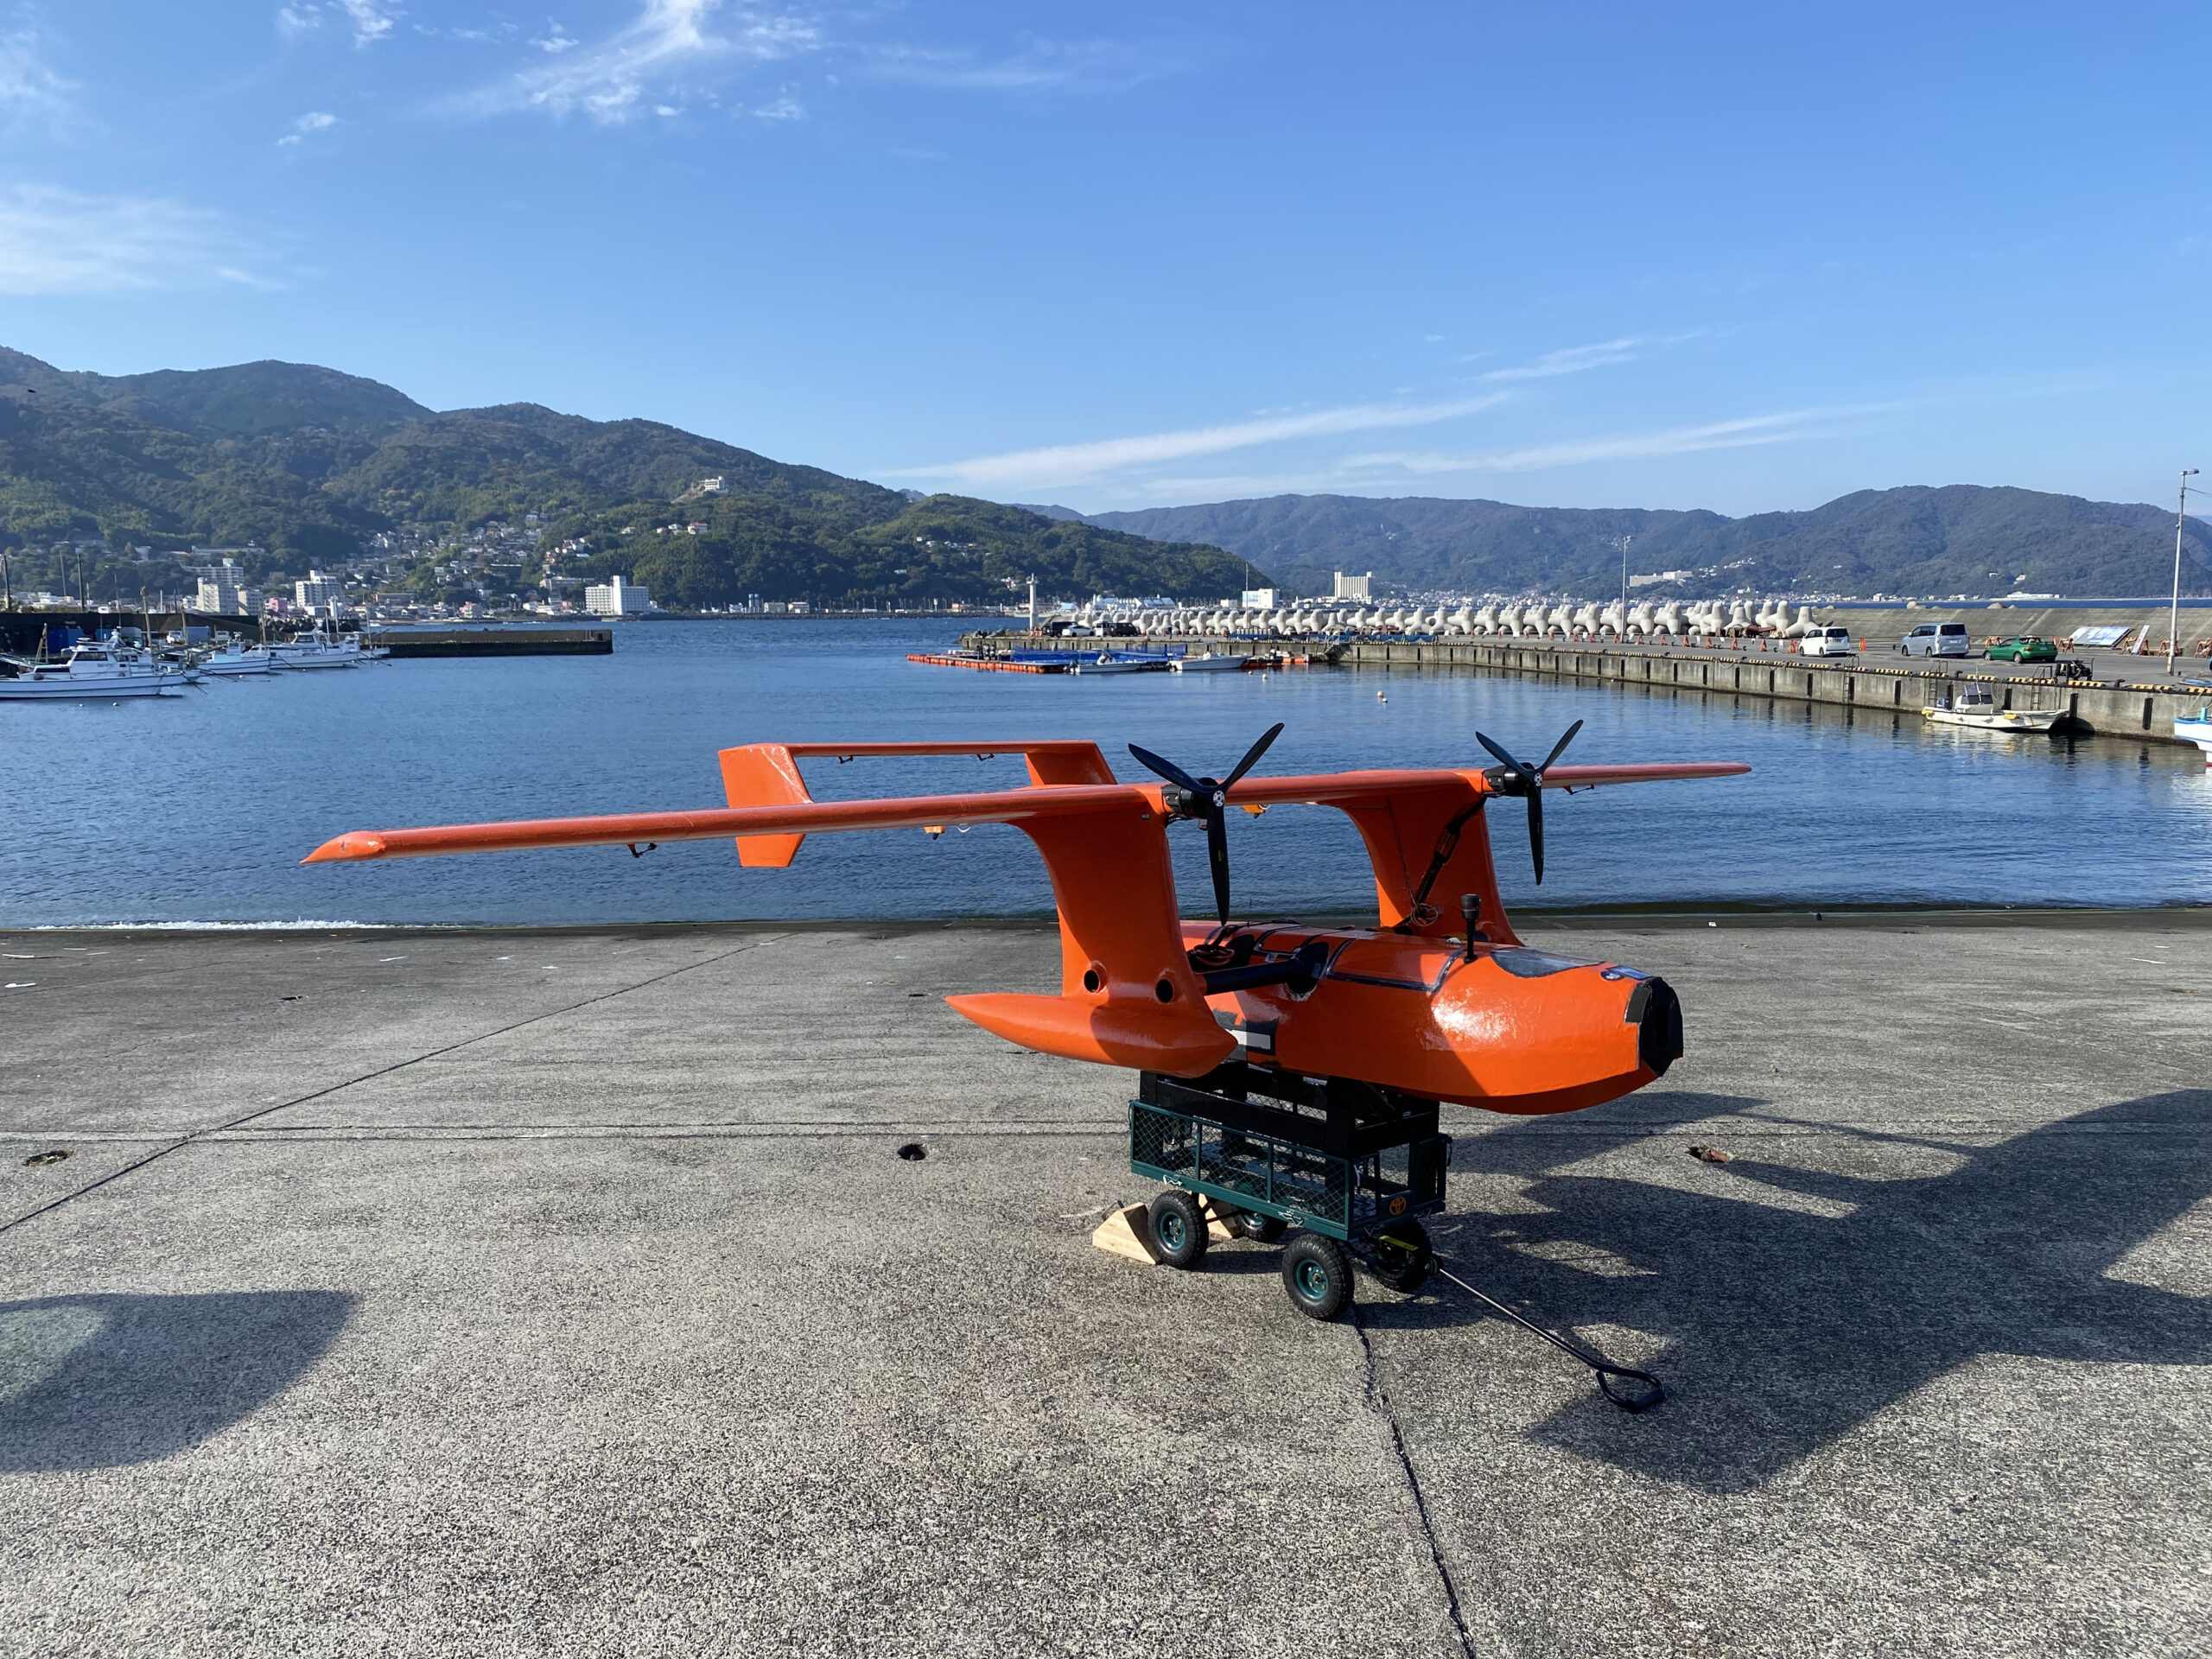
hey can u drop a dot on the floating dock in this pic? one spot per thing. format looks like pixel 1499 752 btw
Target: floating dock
pixel 524 641
pixel 991 664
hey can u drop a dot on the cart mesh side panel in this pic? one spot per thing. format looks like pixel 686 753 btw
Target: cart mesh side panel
pixel 1163 1140
pixel 1235 1160
pixel 1313 1182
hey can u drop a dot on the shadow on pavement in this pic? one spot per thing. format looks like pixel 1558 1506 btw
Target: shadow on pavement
pixel 1784 1330
pixel 97 1382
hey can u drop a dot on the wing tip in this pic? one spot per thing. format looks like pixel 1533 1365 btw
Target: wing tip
pixel 355 844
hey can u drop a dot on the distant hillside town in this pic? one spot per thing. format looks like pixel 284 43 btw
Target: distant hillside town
pixel 280 489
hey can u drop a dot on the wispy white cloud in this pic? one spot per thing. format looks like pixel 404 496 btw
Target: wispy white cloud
pixel 1794 426
pixel 371 20
pixel 1575 360
pixel 54 241
pixel 644 66
pixel 30 90
pixel 1040 65
pixel 556 40
pixel 1074 462
pixel 313 121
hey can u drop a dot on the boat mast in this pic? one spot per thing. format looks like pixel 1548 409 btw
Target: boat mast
pixel 2173 618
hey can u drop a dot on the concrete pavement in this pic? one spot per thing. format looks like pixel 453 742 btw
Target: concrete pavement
pixel 557 1294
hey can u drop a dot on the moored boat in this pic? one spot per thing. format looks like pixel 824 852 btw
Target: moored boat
pixel 317 649
pixel 234 661
pixel 87 674
pixel 1108 662
pixel 2197 729
pixel 1973 706
pixel 1210 663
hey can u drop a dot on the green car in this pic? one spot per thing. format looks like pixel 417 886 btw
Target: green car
pixel 2027 649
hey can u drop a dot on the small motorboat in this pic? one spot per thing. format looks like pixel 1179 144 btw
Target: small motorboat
pixel 1973 705
pixel 1210 663
pixel 87 674
pixel 2197 729
pixel 1107 663
pixel 235 659
pixel 317 649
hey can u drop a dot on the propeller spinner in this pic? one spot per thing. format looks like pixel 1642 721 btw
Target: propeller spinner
pixel 1519 777
pixel 1208 798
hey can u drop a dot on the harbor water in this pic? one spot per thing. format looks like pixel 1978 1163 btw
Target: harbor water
pixel 198 809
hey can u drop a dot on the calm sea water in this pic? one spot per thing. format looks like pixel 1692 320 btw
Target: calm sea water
pixel 198 809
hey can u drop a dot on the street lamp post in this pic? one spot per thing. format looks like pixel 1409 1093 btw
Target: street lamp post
pixel 2173 618
pixel 1625 540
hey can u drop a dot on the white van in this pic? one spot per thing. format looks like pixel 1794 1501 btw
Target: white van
pixel 1938 639
pixel 1828 642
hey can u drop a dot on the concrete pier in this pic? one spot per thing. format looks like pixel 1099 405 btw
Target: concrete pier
pixel 564 1293
pixel 2117 704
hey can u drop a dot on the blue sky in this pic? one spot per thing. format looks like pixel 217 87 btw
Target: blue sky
pixel 1743 257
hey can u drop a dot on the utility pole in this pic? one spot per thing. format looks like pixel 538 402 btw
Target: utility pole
pixel 1032 602
pixel 1625 540
pixel 2173 619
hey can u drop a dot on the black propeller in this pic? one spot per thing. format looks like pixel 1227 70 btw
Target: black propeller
pixel 1207 797
pixel 1519 777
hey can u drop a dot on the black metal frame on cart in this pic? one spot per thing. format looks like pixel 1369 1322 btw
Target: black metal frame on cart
pixel 1343 1158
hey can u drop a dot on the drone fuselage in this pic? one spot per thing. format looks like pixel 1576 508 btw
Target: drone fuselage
pixel 1502 1026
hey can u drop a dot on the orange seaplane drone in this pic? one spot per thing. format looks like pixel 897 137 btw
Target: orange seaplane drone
pixel 1289 1074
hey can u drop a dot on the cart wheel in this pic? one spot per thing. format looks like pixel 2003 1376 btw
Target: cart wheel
pixel 1178 1229
pixel 1266 1229
pixel 1318 1275
pixel 1401 1258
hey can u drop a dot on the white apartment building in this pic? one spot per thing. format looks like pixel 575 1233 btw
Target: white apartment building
pixel 223 592
pixel 317 591
pixel 617 598
pixel 1354 587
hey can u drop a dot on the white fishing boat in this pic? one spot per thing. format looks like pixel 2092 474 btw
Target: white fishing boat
pixel 2197 728
pixel 1107 663
pixel 1210 663
pixel 317 649
pixel 1973 705
pixel 234 661
pixel 87 674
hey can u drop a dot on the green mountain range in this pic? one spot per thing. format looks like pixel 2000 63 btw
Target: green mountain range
pixel 1911 542
pixel 308 465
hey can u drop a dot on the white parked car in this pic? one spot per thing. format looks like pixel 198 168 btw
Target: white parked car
pixel 1828 642
pixel 1938 639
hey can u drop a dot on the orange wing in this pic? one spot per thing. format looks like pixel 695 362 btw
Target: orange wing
pixel 1128 995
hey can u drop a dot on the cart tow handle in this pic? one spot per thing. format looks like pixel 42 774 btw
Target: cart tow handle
pixel 1604 1370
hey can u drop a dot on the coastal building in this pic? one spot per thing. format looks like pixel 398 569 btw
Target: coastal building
pixel 1259 599
pixel 317 591
pixel 1354 587
pixel 617 598
pixel 223 592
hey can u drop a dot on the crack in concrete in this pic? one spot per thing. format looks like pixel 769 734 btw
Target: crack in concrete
pixel 381 1071
pixel 1378 1402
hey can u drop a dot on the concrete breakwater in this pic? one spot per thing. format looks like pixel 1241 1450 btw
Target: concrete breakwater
pixel 2107 706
